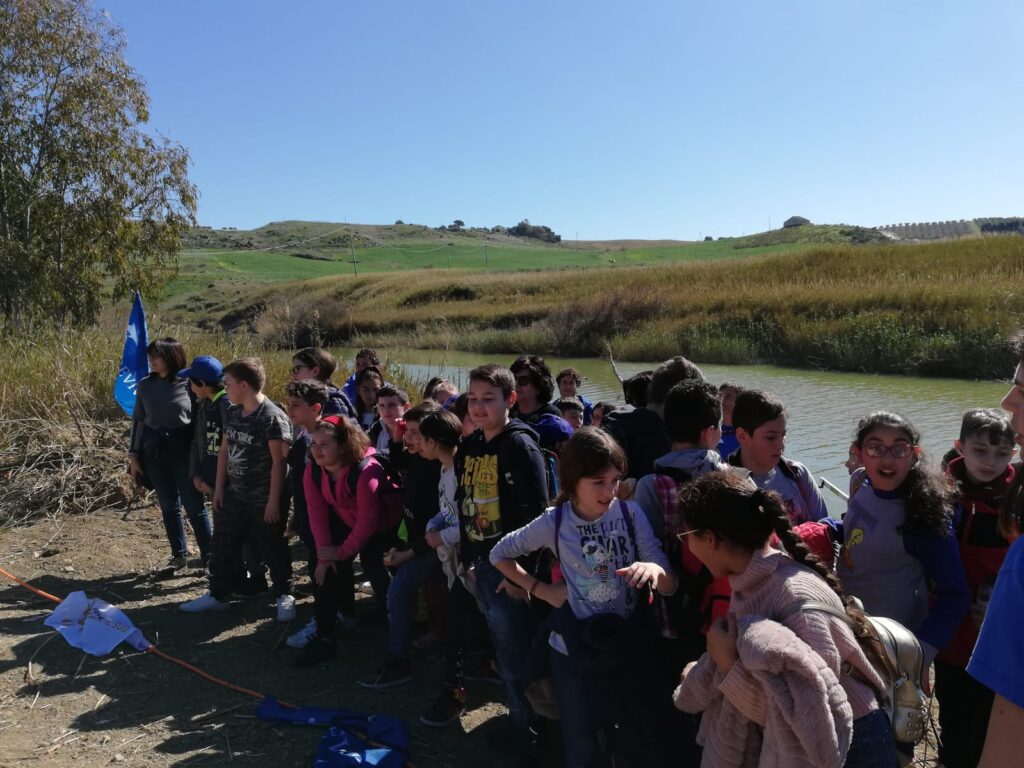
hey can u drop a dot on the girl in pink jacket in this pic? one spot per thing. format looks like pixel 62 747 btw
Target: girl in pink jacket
pixel 344 524
pixel 730 527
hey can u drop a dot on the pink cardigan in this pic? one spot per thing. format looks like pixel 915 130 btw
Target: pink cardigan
pixel 361 512
pixel 773 581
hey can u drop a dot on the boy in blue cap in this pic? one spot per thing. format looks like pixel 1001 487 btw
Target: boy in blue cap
pixel 205 377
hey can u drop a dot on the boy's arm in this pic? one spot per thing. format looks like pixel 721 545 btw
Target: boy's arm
pixel 316 506
pixel 278 469
pixel 222 472
pixel 646 496
pixel 530 479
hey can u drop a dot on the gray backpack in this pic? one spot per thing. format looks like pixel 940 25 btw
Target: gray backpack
pixel 895 653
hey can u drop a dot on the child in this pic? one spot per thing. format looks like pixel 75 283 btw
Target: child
pixel 305 401
pixel 440 390
pixel 502 486
pixel 534 388
pixel 251 474
pixel 568 382
pixel 601 410
pixel 982 474
pixel 609 558
pixel 159 449
pixel 369 382
pixel 572 410
pixel 392 402
pixel 998 658
pixel 693 417
pixel 416 565
pixel 364 359
pixel 731 527
pixel 460 408
pixel 898 552
pixel 640 430
pixel 319 364
pixel 728 444
pixel 760 421
pixel 344 525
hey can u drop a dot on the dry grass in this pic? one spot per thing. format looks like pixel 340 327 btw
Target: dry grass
pixel 939 308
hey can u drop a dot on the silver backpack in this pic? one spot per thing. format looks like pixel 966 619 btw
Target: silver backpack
pixel 895 653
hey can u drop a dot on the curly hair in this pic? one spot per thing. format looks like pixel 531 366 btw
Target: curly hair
pixel 929 495
pixel 736 511
pixel 539 373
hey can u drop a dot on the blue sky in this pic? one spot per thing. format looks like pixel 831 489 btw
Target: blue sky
pixel 666 118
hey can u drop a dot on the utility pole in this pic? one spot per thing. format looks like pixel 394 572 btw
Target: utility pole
pixel 355 271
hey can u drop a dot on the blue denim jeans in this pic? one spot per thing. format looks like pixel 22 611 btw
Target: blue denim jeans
pixel 873 745
pixel 173 486
pixel 407 580
pixel 512 630
pixel 579 731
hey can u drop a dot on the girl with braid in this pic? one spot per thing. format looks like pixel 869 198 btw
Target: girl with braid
pixel 731 527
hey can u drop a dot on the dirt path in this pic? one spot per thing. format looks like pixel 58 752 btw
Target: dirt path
pixel 60 707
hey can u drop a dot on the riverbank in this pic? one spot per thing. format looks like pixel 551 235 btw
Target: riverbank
pixel 936 309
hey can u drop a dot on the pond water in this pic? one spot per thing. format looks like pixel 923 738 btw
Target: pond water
pixel 823 407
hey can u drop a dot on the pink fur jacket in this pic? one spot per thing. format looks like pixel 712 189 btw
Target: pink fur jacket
pixel 794 715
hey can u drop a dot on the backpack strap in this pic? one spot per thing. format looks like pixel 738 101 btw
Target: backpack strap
pixel 679 475
pixel 558 526
pixel 630 530
pixel 355 470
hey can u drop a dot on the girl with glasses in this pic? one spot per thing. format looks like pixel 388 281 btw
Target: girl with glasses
pixel 899 555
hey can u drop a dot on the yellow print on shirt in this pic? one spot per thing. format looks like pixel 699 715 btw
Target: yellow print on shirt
pixel 481 511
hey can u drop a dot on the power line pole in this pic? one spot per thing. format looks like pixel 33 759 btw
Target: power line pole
pixel 355 270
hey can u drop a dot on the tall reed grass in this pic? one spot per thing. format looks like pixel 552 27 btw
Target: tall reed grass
pixel 933 309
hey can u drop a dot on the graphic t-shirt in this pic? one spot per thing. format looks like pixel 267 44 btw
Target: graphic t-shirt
pixel 446 521
pixel 249 458
pixel 591 552
pixel 481 507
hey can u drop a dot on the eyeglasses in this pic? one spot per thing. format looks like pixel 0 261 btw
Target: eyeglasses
pixel 684 534
pixel 898 451
pixel 297 368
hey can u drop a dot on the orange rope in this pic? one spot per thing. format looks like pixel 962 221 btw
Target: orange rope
pixel 39 592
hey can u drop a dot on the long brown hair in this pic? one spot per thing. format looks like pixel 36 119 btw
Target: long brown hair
pixel 736 511
pixel 588 453
pixel 351 439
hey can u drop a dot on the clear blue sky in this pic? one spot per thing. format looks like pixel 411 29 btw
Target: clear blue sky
pixel 667 118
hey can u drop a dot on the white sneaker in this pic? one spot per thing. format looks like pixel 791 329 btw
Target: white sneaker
pixel 285 607
pixel 347 622
pixel 205 603
pixel 301 638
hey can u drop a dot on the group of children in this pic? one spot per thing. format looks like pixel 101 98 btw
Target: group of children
pixel 623 568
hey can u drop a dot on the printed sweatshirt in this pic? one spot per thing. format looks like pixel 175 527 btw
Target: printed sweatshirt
pixel 209 432
pixel 361 513
pixel 590 552
pixel 916 580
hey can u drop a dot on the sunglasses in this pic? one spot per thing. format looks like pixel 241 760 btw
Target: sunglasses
pixel 898 451
pixel 297 368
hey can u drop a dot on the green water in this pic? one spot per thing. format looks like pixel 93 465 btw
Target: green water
pixel 823 407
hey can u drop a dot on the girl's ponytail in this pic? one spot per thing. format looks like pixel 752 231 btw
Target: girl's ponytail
pixel 770 504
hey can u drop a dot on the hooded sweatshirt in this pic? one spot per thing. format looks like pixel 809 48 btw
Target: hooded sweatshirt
pixel 502 486
pixel 641 433
pixel 682 466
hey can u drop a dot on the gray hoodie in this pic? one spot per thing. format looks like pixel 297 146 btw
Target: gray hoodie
pixel 687 464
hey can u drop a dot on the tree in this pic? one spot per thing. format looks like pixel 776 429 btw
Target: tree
pixel 89 202
pixel 457 225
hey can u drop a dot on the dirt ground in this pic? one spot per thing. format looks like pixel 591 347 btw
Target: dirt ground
pixel 60 707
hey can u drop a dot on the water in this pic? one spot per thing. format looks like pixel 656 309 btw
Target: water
pixel 823 407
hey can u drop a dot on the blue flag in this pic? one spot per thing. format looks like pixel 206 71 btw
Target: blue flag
pixel 134 363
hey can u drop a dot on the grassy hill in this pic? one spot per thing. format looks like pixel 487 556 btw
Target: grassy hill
pixel 232 260
pixel 939 309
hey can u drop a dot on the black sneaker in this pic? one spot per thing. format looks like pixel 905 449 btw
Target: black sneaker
pixel 318 649
pixel 446 709
pixel 391 674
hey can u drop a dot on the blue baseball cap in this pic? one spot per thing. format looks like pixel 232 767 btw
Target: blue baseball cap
pixel 204 368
